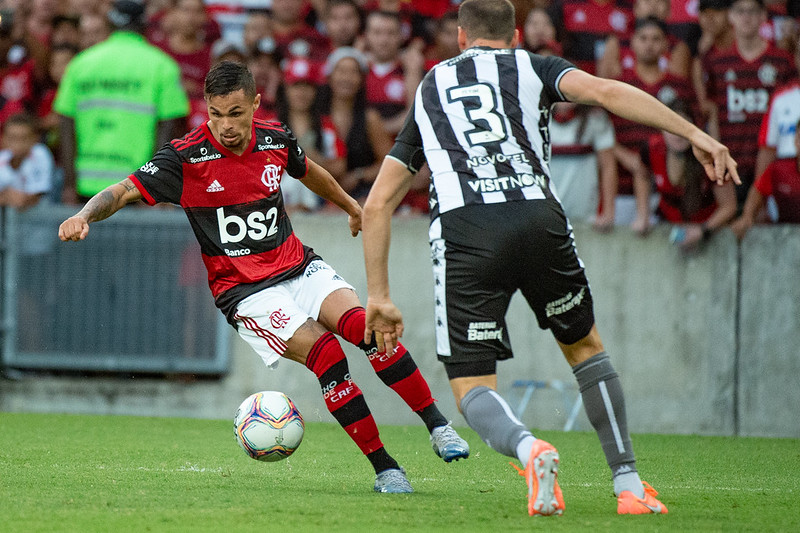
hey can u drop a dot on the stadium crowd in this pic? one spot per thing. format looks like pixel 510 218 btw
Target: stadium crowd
pixel 342 75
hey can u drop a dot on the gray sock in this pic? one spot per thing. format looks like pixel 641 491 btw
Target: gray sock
pixel 605 406
pixel 490 416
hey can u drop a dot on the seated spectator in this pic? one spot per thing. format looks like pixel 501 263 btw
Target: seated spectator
pixel 60 56
pixel 781 182
pixel 18 71
pixel 583 168
pixel 66 31
pixel 393 76
pixel 184 42
pixel 224 50
pixel 343 22
pixel 686 196
pixel 618 54
pixel 539 31
pixel 293 36
pixel 298 108
pixel 343 98
pixel 26 166
pixel 264 63
pixel 94 28
pixel 445 40
pixel 258 26
pixel 586 25
pixel 649 42
pixel 682 22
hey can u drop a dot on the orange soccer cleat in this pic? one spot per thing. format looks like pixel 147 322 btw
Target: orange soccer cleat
pixel 629 503
pixel 541 473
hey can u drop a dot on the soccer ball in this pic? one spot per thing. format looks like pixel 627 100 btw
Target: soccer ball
pixel 268 426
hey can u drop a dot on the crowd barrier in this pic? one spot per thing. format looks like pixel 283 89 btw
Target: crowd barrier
pixel 705 343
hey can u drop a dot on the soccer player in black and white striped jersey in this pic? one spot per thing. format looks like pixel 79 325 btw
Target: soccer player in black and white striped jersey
pixel 480 120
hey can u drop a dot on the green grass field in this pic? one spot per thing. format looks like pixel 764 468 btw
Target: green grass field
pixel 118 474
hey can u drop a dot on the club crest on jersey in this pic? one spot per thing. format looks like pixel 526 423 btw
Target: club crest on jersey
pixel 271 177
pixel 277 319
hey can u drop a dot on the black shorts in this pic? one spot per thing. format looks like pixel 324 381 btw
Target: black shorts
pixel 485 254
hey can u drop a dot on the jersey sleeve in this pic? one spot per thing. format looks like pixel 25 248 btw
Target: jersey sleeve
pixel 296 161
pixel 764 182
pixel 550 69
pixel 407 147
pixel 172 101
pixel 161 178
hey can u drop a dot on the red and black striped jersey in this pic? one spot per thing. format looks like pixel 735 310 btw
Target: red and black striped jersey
pixel 741 91
pixel 385 86
pixel 234 205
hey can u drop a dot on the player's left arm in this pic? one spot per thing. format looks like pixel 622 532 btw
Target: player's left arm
pixel 322 183
pixel 634 104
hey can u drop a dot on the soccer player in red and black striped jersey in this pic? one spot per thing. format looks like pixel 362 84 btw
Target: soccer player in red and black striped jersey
pixel 282 298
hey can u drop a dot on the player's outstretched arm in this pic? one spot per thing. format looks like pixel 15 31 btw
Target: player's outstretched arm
pixel 322 183
pixel 383 318
pixel 99 207
pixel 634 104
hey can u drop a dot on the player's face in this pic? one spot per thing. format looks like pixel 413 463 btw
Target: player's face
pixel 230 119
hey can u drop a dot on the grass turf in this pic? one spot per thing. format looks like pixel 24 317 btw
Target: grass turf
pixel 96 473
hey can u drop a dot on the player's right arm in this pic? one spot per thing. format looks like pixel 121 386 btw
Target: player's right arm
pixel 99 207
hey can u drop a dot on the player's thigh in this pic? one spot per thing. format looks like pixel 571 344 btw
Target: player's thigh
pixel 324 294
pixel 470 305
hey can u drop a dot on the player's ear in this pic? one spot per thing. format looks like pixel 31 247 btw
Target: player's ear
pixel 462 38
pixel 514 40
pixel 257 101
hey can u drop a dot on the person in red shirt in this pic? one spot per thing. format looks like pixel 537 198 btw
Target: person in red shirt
pixel 294 37
pixel 741 81
pixel 781 181
pixel 281 297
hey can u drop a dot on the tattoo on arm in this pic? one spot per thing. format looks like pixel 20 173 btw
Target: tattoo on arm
pixel 108 201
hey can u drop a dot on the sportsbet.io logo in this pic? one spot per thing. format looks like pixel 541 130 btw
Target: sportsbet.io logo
pixel 149 167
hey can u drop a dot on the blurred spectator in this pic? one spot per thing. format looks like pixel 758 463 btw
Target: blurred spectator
pixel 586 25
pixel 618 54
pixel 781 181
pixel 648 43
pixel 118 101
pixel 224 50
pixel 18 71
pixel 539 31
pixel 294 37
pixel 716 33
pixel 26 166
pixel 740 81
pixel 343 23
pixel 445 40
pixel 682 22
pixel 94 28
pixel 412 23
pixel 60 56
pixel 184 42
pixel 79 8
pixel 776 139
pixel 66 31
pixel 583 168
pixel 361 128
pixel 39 17
pixel 315 133
pixel 157 14
pixel 393 77
pixel 686 196
pixel 264 63
pixel 258 26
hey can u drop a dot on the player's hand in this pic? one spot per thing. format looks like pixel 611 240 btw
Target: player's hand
pixel 715 158
pixel 354 221
pixel 75 228
pixel 385 321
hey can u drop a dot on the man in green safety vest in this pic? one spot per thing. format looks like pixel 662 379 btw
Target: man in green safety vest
pixel 119 101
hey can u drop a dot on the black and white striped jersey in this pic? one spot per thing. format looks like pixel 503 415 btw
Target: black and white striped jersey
pixel 481 120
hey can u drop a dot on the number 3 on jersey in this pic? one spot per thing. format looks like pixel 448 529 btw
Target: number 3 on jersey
pixel 486 111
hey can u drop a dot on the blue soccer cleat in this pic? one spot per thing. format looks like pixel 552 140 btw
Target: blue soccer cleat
pixel 448 445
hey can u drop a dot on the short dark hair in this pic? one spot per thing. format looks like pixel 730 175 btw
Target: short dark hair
pixel 487 19
pixel 228 76
pixel 23 118
pixel 645 22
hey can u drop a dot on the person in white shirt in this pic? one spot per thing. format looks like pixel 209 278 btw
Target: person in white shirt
pixel 26 165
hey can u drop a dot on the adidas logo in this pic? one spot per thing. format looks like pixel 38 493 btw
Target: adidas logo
pixel 215 187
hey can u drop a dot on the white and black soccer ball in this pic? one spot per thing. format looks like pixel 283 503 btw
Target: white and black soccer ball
pixel 268 426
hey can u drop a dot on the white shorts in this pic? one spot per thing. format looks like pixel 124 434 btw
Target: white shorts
pixel 269 318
